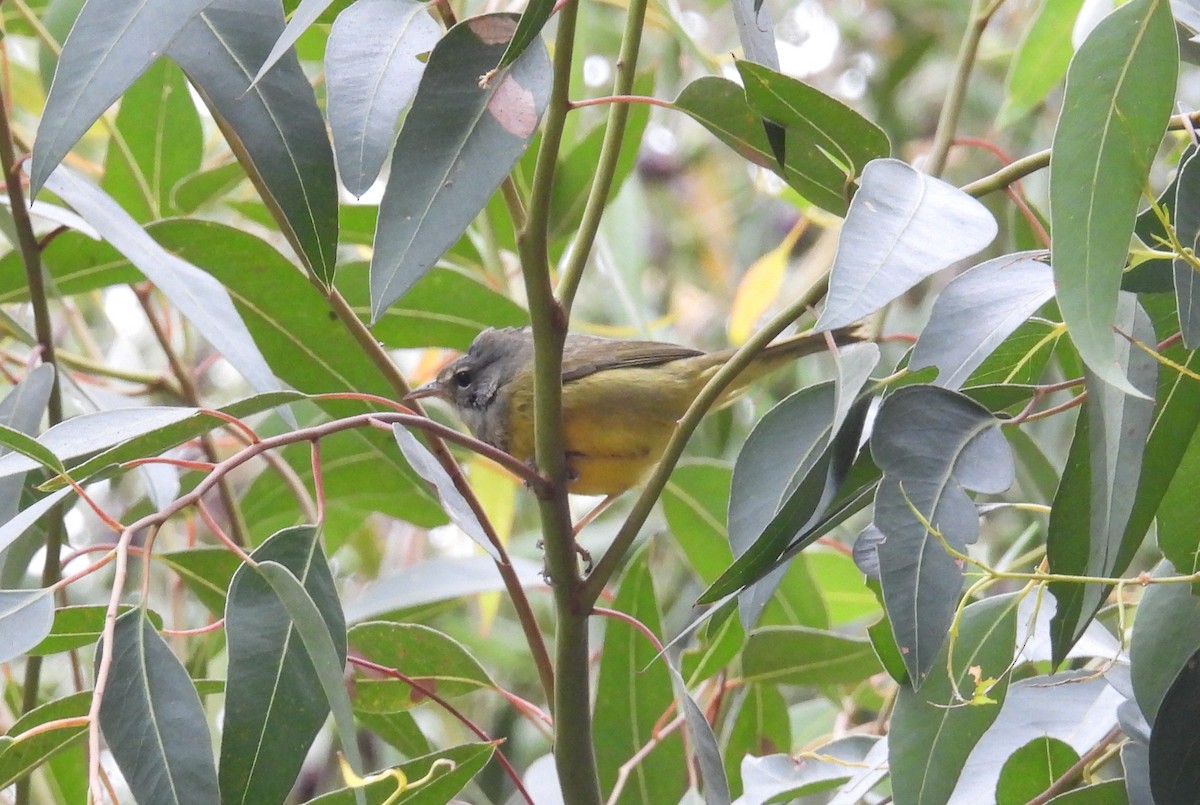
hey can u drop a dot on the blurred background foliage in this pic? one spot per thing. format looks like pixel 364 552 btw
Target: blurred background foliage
pixel 696 248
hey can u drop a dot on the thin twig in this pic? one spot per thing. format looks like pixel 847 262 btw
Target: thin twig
pixel 429 693
pixel 1072 774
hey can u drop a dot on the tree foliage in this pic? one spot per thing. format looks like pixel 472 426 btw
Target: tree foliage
pixel 237 565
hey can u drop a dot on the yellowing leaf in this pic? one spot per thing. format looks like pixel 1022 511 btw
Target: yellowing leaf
pixel 497 492
pixel 760 286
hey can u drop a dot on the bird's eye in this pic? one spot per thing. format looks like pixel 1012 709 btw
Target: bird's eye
pixel 462 378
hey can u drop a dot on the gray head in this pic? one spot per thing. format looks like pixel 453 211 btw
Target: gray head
pixel 472 382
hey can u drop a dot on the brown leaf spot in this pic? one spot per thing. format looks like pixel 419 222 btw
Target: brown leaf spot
pixel 493 29
pixel 512 106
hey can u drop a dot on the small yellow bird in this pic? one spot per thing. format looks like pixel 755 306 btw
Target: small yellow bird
pixel 621 399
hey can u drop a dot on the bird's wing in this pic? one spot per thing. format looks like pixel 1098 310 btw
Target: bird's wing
pixel 584 355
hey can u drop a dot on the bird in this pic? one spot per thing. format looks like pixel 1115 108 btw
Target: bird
pixel 621 399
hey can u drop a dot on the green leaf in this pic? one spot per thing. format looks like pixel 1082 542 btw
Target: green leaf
pixel 819 127
pixel 274 704
pixel 1186 219
pixel 419 652
pixel 26 453
pixel 633 691
pixel 372 66
pixel 21 411
pixel 326 651
pixel 782 778
pixel 1096 540
pixel 812 501
pixel 26 617
pixel 932 733
pixel 932 445
pixel 1166 636
pixel 78 626
pixel 977 311
pixel 207 572
pixel 206 187
pixel 1040 61
pixel 446 308
pixel 113 437
pixel 15 528
pixel 1120 88
pixel 695 503
pixel 153 721
pixel 722 107
pixel 305 14
pixel 1109 792
pixel 399 729
pixel 312 351
pixel 459 141
pixel 74 262
pixel 903 226
pixel 199 297
pixel 529 28
pixel 800 655
pixel 721 640
pixel 468 760
pixel 110 45
pixel 434 581
pixel 275 128
pixel 703 743
pixel 158 141
pixel 1032 769
pixel 760 727
pixel 1174 759
pixel 19 758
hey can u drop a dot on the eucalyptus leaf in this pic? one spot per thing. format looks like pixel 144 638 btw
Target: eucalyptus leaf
pixel 1090 536
pixel 781 778
pixel 1168 625
pixel 458 143
pixel 1187 228
pixel 903 225
pixel 274 701
pixel 1174 759
pixel 22 410
pixel 372 67
pixel 932 445
pixel 932 731
pixel 196 295
pixel 977 311
pixel 110 45
pixel 153 721
pixel 427 466
pixel 1120 90
pixel 635 689
pixel 274 127
pixel 26 617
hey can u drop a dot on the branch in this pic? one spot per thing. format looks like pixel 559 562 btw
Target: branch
pixel 642 507
pixel 981 15
pixel 610 152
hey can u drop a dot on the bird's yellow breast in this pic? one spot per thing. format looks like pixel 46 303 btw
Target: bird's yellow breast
pixel 616 422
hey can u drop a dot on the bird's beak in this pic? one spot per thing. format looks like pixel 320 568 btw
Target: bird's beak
pixel 430 389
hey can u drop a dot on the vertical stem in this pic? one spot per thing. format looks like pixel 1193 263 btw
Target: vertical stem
pixel 610 152
pixel 191 395
pixel 573 755
pixel 981 15
pixel 31 258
